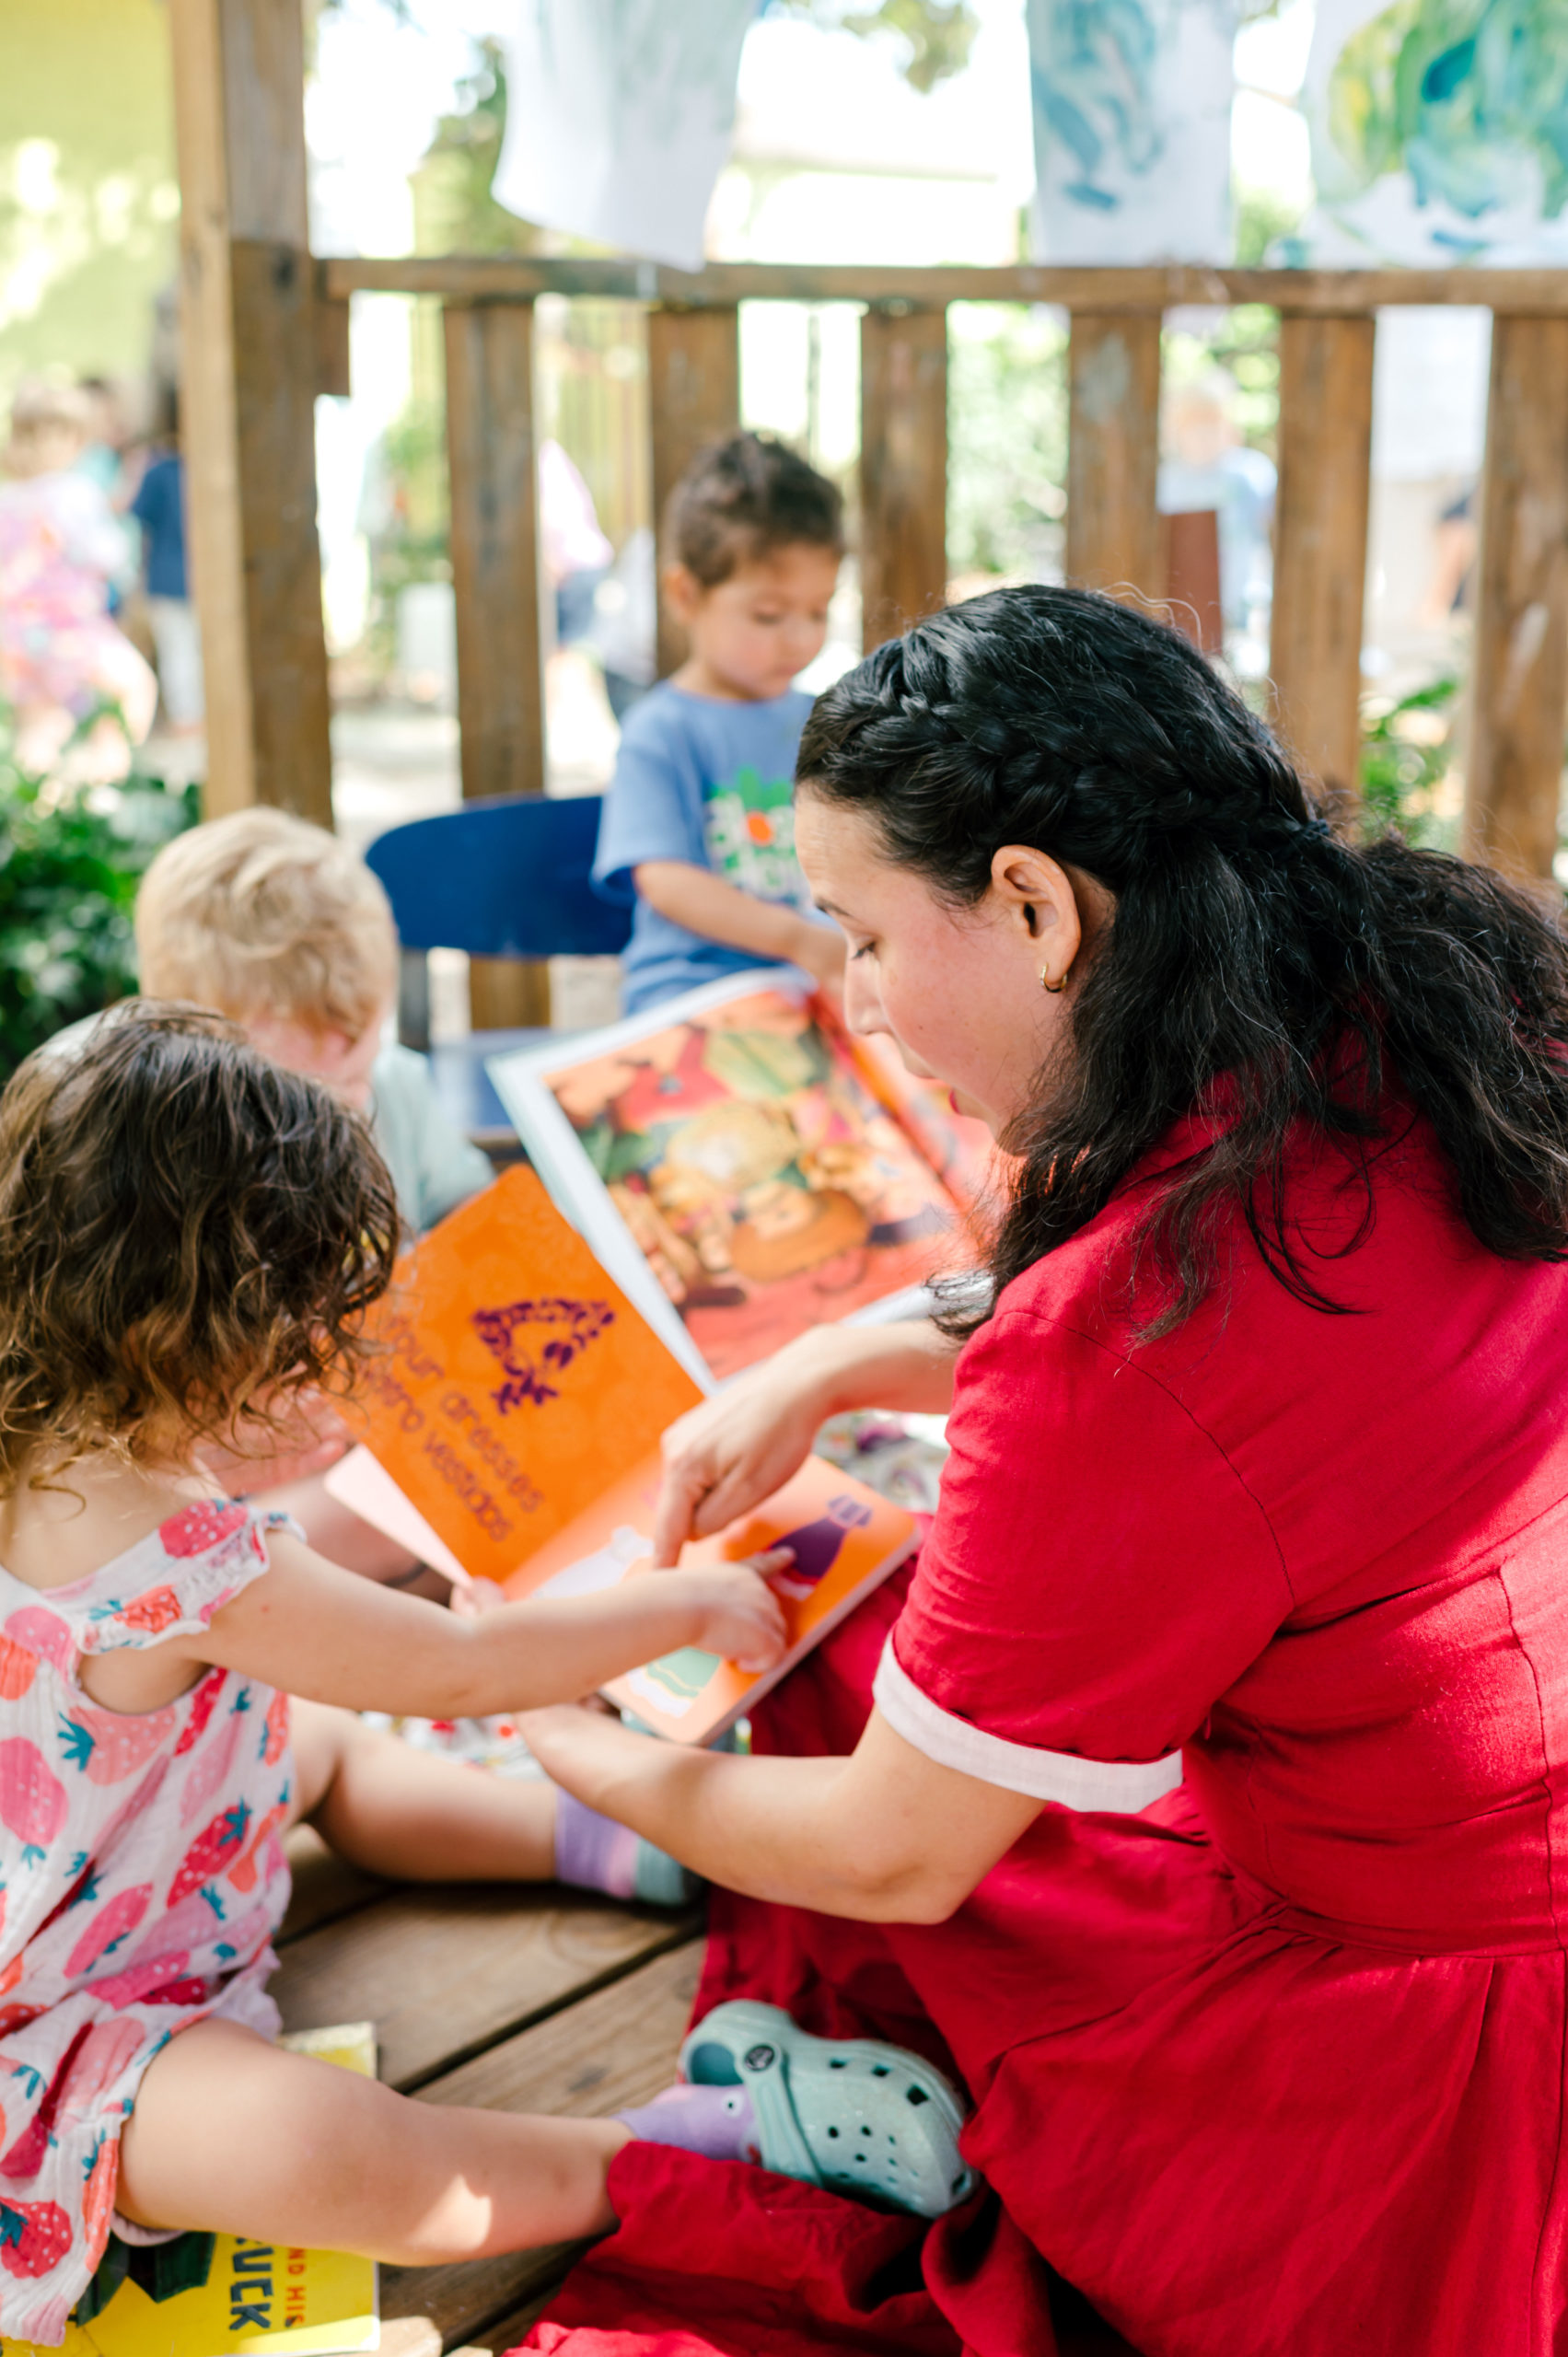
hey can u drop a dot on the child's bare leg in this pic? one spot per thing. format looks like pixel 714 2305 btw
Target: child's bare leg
pixel 235 2136
pixel 413 1815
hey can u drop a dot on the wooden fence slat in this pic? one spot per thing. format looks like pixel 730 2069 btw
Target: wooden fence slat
pixel 1519 704
pixel 1113 536
pixel 903 469
pixel 495 537
pixel 615 2048
pixel 1320 546
pixel 248 364
pixel 693 399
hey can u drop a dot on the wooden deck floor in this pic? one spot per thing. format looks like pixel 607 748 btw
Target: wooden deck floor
pixel 511 1999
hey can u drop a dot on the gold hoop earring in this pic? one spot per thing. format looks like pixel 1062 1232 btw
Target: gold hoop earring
pixel 1047 984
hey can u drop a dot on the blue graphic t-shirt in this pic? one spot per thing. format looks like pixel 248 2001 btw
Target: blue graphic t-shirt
pixel 710 783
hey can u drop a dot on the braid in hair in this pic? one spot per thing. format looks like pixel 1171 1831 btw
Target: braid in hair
pixel 1256 968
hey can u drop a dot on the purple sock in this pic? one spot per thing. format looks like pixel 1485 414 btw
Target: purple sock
pixel 592 1851
pixel 716 2121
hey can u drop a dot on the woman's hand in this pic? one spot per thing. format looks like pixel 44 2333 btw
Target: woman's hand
pixel 726 1455
pixel 738 1617
pixel 723 1457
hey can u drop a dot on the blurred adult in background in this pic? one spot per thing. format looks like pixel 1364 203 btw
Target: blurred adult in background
pixel 63 660
pixel 1206 464
pixel 159 508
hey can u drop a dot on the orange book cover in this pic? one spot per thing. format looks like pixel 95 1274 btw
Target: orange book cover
pixel 845 1539
pixel 515 1380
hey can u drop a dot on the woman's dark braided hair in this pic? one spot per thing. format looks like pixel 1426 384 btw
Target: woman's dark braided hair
pixel 1256 968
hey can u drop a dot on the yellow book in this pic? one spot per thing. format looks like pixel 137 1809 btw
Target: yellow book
pixel 252 2297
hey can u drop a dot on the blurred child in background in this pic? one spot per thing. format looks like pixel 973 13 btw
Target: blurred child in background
pixel 61 657
pixel 159 508
pixel 698 826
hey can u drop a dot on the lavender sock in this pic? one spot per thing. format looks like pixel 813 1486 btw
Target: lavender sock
pixel 595 1853
pixel 716 2121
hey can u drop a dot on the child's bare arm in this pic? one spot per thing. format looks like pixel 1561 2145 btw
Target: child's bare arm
pixel 322 1632
pixel 704 904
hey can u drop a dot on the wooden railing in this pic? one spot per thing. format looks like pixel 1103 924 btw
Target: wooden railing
pixel 266 328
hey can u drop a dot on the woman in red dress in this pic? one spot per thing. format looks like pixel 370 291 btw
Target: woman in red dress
pixel 1204 1795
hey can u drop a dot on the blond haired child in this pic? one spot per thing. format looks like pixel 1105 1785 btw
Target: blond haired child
pixel 187 1230
pixel 279 926
pixel 698 828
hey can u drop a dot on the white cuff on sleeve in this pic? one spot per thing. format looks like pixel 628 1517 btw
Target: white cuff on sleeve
pixel 1123 1787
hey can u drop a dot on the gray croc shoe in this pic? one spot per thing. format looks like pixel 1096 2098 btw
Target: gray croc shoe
pixel 849 2114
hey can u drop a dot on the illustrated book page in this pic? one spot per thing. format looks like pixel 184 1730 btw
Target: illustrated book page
pixel 743 1170
pixel 845 1539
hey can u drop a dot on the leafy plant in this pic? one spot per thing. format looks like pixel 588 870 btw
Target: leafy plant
pixel 69 859
pixel 1007 457
pixel 1406 751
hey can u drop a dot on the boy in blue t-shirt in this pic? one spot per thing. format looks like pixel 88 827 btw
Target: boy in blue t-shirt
pixel 699 824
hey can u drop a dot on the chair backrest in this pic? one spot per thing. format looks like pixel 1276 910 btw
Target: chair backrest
pixel 502 879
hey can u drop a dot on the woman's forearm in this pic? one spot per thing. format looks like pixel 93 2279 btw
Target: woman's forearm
pixel 885 1835
pixel 769 1828
pixel 908 1366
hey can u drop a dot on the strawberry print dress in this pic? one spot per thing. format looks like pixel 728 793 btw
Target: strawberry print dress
pixel 142 1878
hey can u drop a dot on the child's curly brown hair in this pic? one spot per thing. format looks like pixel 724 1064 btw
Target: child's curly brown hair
pixel 188 1236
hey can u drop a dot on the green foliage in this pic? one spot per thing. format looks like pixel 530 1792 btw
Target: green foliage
pixel 1007 452
pixel 1406 750
pixel 70 861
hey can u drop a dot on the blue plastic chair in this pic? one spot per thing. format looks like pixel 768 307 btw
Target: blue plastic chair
pixel 502 879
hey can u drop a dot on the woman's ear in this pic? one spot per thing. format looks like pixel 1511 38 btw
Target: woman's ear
pixel 1035 895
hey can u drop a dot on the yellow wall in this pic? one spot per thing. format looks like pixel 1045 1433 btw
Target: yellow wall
pixel 89 201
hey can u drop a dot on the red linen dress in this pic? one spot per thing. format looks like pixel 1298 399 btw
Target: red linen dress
pixel 1274 2065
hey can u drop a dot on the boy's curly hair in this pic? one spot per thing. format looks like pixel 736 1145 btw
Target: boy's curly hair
pixel 187 1233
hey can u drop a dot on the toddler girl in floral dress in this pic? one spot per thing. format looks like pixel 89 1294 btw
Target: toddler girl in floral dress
pixel 189 1238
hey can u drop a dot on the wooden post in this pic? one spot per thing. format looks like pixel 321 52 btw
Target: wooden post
pixel 249 364
pixel 693 399
pixel 1320 546
pixel 1113 540
pixel 903 468
pixel 491 454
pixel 1519 697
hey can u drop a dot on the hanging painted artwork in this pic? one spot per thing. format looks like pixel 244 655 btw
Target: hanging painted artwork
pixel 619 119
pixel 1132 114
pixel 1439 133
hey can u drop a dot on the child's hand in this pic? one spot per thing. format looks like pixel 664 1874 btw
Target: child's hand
pixel 738 1617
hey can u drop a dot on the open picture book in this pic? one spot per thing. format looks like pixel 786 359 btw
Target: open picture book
pixel 745 1168
pixel 208 2296
pixel 511 1427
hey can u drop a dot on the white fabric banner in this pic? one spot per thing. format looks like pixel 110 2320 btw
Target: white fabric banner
pixel 1132 113
pixel 619 116
pixel 1436 141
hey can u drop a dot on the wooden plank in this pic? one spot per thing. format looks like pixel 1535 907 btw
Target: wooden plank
pixel 247 375
pixel 613 2048
pixel 325 1886
pixel 903 469
pixel 1113 537
pixel 693 399
pixel 496 277
pixel 1519 697
pixel 445 1970
pixel 1320 546
pixel 495 577
pixel 334 374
